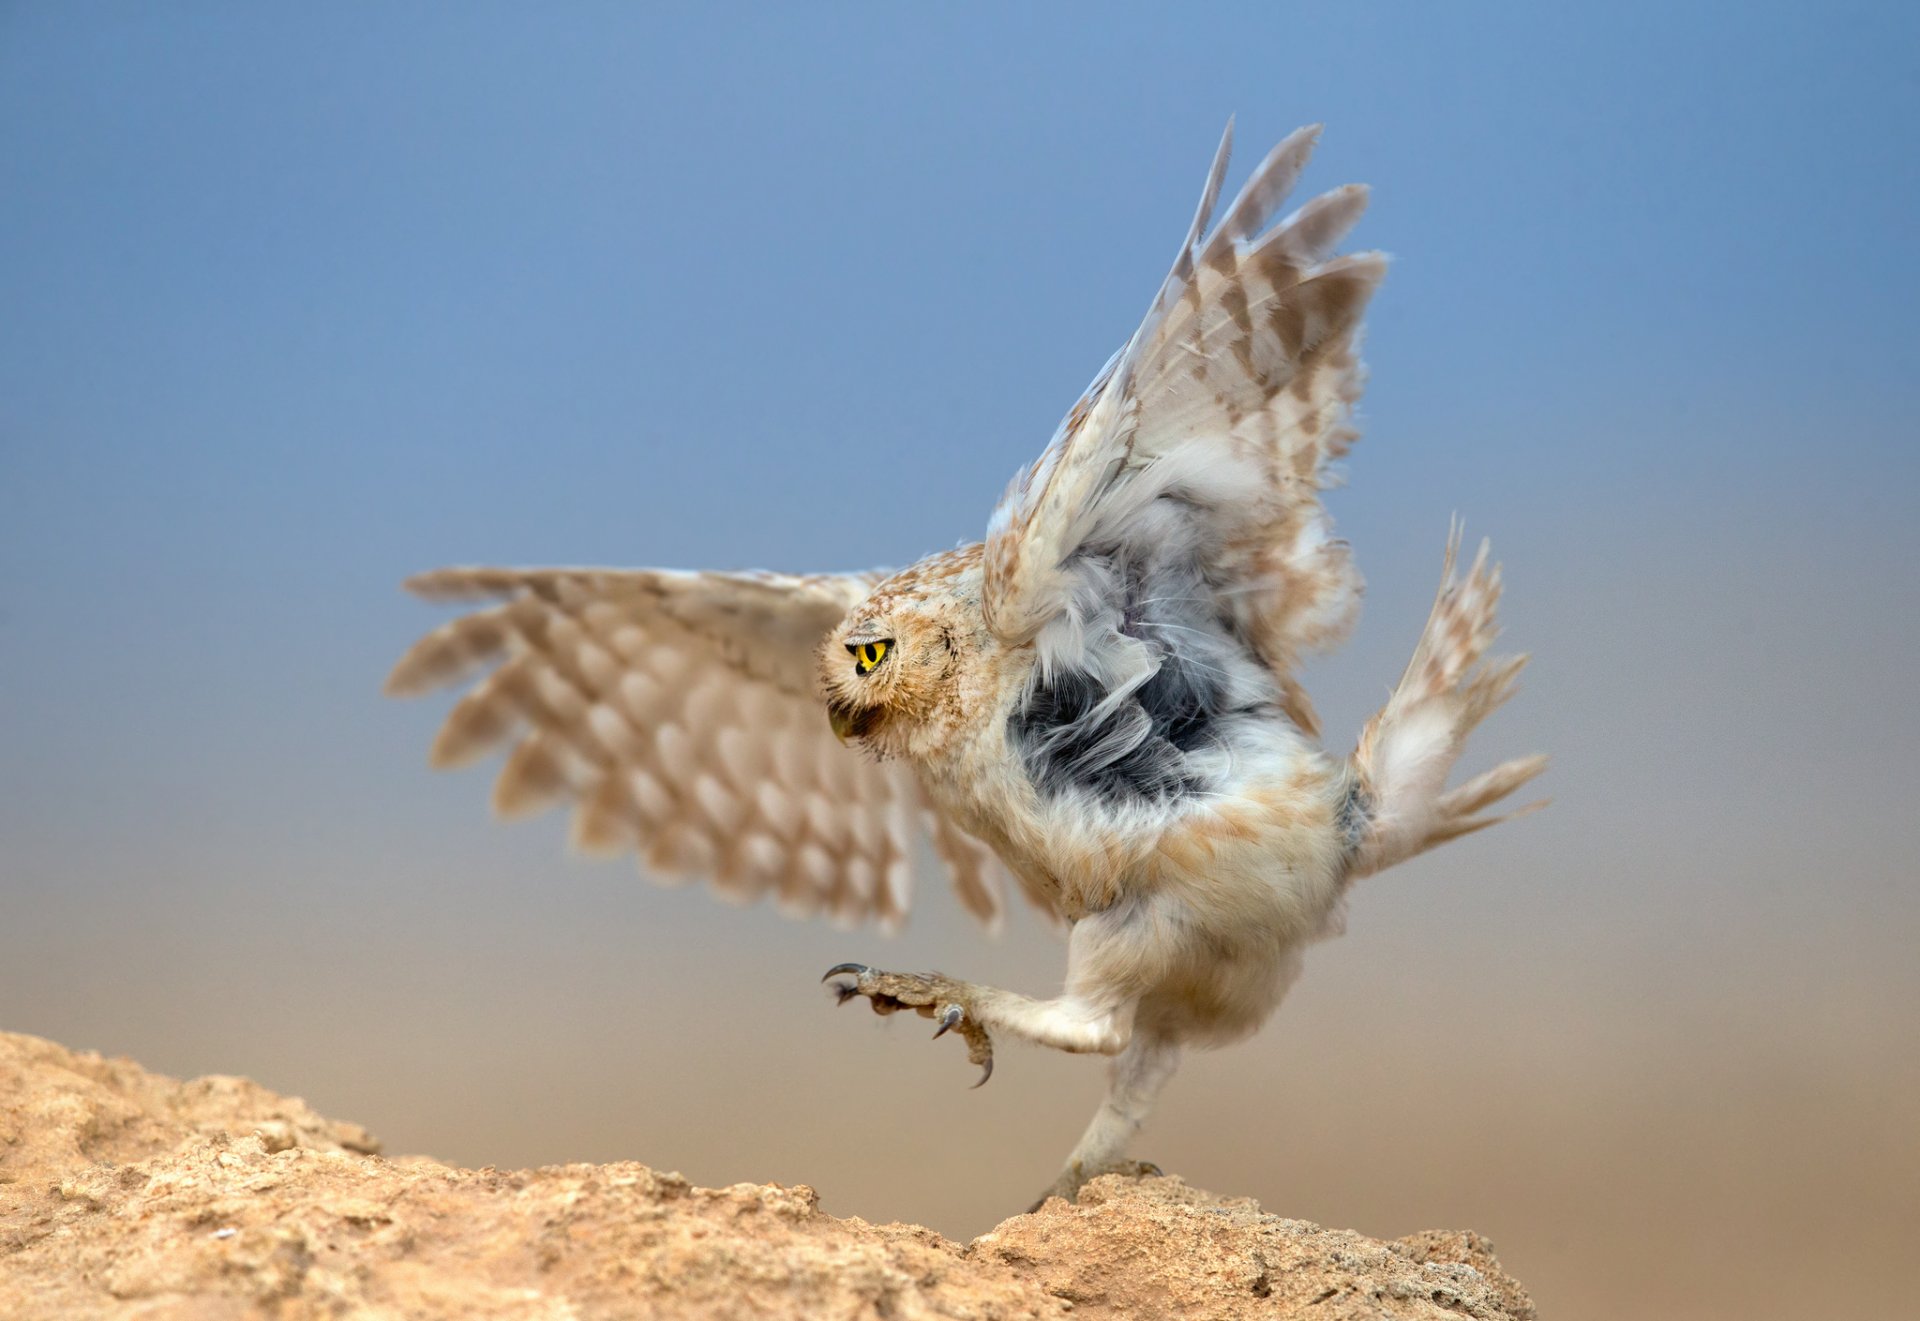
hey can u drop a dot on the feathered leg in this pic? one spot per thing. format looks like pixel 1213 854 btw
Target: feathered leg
pixel 1093 1015
pixel 1400 800
pixel 1134 1080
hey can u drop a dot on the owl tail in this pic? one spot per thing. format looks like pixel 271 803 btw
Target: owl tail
pixel 1398 802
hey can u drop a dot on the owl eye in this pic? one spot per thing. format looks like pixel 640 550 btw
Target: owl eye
pixel 866 655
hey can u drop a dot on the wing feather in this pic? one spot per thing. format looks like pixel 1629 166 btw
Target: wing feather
pixel 676 712
pixel 1229 403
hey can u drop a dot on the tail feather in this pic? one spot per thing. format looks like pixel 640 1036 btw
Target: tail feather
pixel 1489 787
pixel 1407 750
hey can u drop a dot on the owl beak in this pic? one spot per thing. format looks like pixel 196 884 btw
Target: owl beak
pixel 852 722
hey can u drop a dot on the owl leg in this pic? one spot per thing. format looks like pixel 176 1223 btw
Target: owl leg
pixel 1134 1080
pixel 1093 1016
pixel 1067 1023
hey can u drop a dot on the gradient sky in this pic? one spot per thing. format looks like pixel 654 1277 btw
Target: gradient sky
pixel 297 300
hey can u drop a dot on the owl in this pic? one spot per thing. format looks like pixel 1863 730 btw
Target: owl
pixel 1096 705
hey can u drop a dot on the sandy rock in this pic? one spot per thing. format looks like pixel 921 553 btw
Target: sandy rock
pixel 1155 1247
pixel 127 1194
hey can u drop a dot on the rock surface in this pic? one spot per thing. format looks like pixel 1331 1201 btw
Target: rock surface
pixel 124 1193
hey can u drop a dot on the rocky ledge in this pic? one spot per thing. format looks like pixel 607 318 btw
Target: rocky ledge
pixel 125 1193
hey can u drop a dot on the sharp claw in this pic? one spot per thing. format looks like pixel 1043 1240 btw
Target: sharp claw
pixel 951 1015
pixel 845 992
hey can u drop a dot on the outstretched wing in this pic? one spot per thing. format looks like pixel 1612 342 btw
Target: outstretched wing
pixel 1212 429
pixel 677 712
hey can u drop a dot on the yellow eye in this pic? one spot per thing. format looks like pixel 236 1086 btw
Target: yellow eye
pixel 866 655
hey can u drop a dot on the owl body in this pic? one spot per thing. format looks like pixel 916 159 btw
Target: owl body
pixel 1099 700
pixel 1187 807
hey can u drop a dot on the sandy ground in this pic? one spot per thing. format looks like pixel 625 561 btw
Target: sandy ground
pixel 126 1193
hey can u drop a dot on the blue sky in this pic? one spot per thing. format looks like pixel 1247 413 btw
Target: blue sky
pixel 297 300
pixel 300 300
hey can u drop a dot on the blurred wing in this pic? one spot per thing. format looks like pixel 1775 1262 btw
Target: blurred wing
pixel 1222 414
pixel 677 712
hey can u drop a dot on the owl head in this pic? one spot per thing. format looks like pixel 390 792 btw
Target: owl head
pixel 890 670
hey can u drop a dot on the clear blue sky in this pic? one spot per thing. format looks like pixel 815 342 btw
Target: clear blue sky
pixel 298 299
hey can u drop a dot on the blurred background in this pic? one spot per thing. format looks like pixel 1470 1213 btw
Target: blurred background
pixel 297 301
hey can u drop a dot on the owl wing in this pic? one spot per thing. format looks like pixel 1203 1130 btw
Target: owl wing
pixel 677 712
pixel 1222 413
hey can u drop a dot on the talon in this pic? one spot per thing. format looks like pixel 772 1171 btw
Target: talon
pixel 846 991
pixel 928 994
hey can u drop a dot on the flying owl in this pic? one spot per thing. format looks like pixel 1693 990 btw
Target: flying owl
pixel 1097 702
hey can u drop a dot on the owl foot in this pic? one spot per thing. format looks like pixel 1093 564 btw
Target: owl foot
pixel 1075 1177
pixel 928 994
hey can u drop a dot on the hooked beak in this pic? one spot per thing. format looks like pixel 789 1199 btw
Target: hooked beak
pixel 850 722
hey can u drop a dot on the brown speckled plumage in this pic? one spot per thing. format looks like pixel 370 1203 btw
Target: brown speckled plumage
pixel 1098 699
